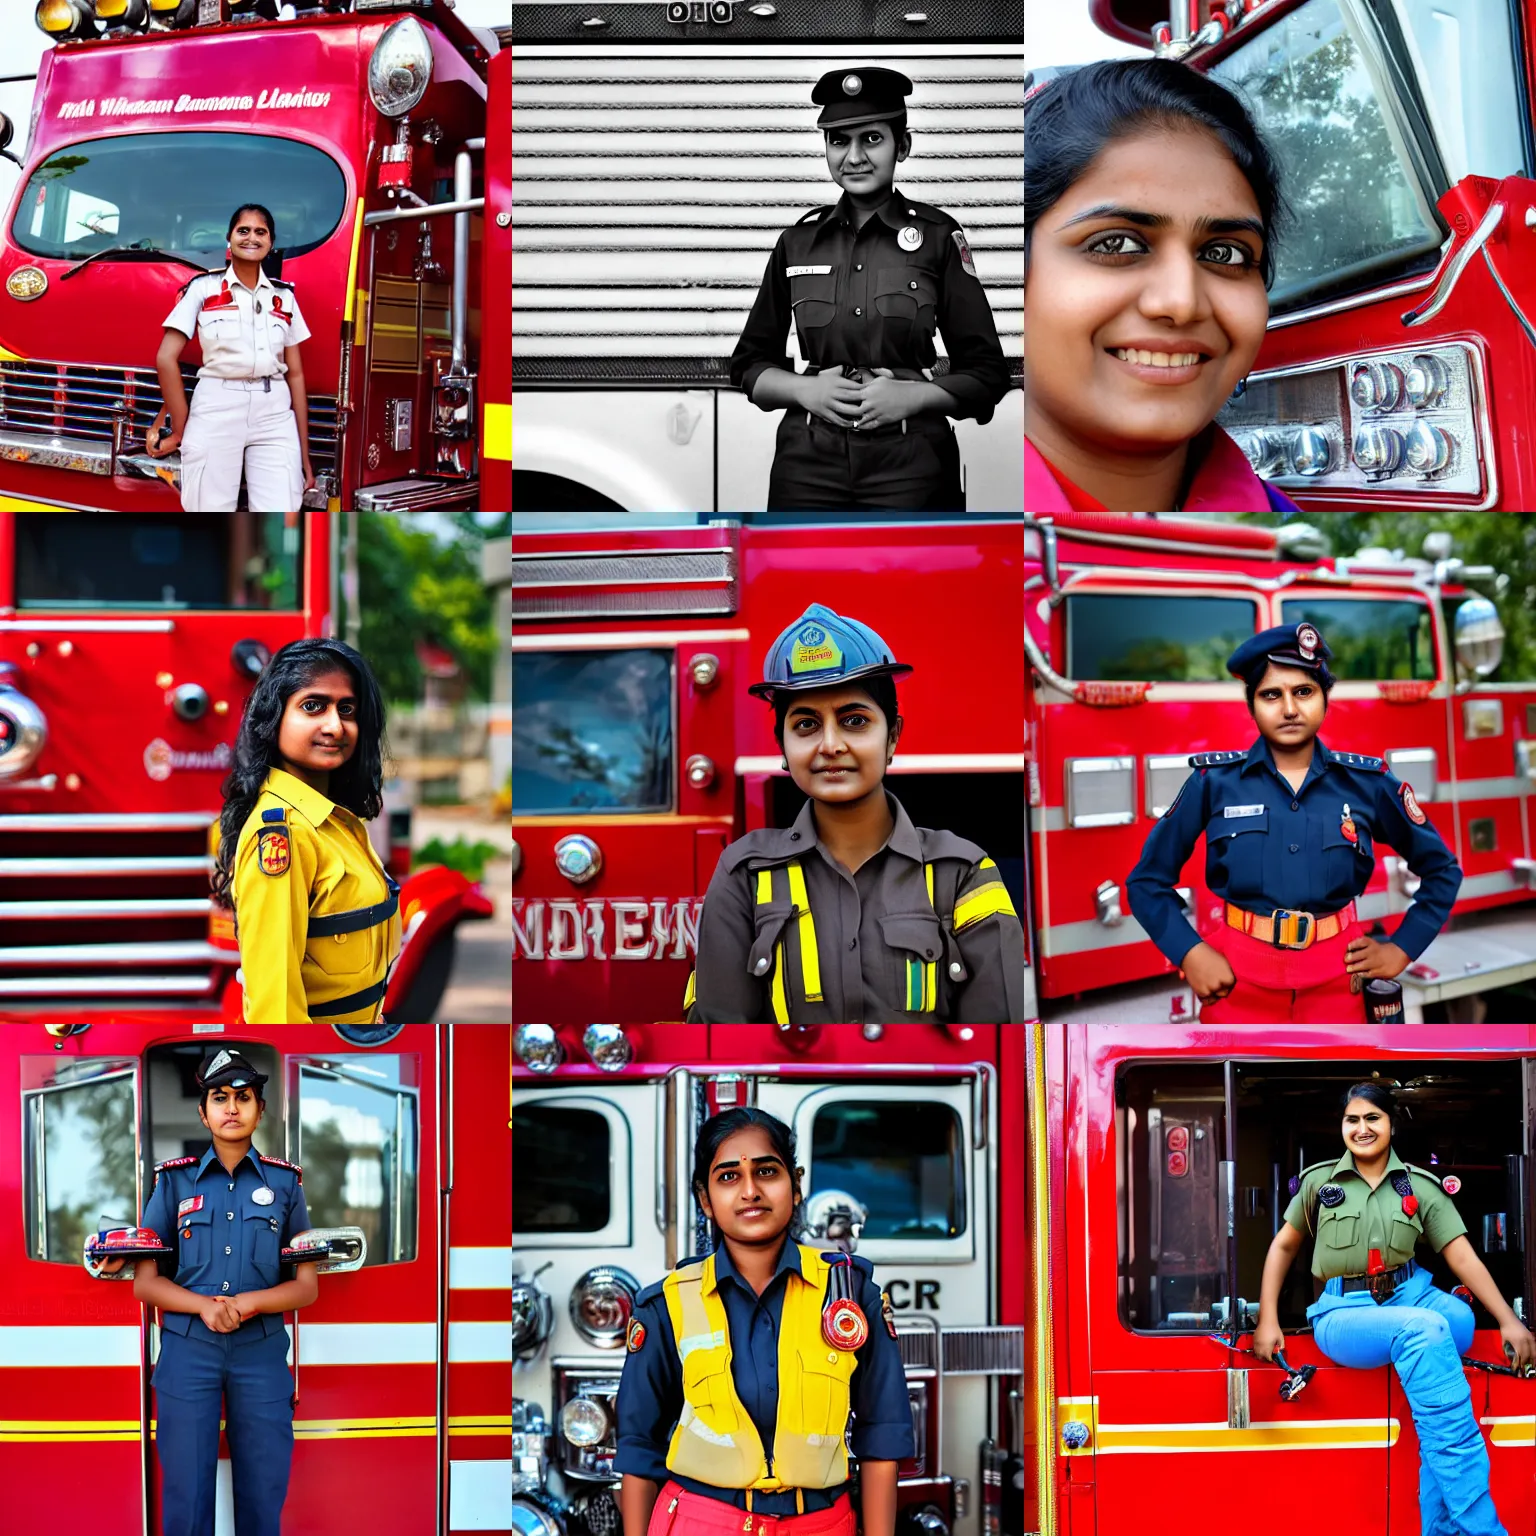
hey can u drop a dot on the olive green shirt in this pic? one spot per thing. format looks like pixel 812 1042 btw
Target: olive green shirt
pixel 1370 1218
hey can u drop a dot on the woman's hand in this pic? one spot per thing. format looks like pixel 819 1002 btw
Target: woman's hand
pixel 1519 1344
pixel 1206 969
pixel 309 474
pixel 831 396
pixel 156 448
pixel 218 1315
pixel 1371 958
pixel 885 399
pixel 1268 1340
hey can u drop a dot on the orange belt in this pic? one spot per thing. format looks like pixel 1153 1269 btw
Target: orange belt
pixel 1286 929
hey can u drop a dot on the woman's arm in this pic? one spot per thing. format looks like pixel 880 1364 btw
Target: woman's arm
pixel 153 1290
pixel 1473 1274
pixel 301 1291
pixel 173 394
pixel 637 1498
pixel 1267 1337
pixel 300 409
pixel 877 1492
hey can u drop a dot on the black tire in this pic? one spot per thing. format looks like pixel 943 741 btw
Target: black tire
pixel 420 1004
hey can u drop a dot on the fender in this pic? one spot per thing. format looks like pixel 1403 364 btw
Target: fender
pixel 433 902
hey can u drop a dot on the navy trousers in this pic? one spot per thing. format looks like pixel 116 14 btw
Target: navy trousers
pixel 247 1377
pixel 817 466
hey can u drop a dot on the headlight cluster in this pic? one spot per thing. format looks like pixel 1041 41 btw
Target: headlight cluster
pixel 584 1422
pixel 72 20
pixel 602 1302
pixel 539 1047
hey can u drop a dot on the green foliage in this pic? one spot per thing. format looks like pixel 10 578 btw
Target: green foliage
pixel 468 858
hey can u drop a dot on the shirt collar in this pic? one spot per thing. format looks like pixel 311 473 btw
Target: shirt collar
pixel 1395 1164
pixel 789 1263
pixel 903 839
pixel 895 211
pixel 1259 755
pixel 310 803
pixel 232 282
pixel 212 1156
pixel 1223 479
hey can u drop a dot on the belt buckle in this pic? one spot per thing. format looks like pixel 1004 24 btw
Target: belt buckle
pixel 1301 924
pixel 1382 1286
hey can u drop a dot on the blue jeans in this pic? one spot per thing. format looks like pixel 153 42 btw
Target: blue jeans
pixel 1423 1333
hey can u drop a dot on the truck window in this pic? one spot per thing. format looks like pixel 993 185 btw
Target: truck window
pixel 591 732
pixel 358 1142
pixel 560 1169
pixel 1371 640
pixel 1348 157
pixel 202 560
pixel 903 1161
pixel 1176 638
pixel 98 193
pixel 78 1140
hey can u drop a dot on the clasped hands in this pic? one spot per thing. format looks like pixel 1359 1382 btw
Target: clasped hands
pixel 881 400
pixel 224 1314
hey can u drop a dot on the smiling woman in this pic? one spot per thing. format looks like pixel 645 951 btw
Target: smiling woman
pixel 1150 207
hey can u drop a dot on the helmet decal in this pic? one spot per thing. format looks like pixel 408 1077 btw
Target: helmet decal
pixel 814 651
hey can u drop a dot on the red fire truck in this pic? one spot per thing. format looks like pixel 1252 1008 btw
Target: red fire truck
pixel 128 647
pixel 1397 367
pixel 360 124
pixel 496 312
pixel 403 1418
pixel 1169 1154
pixel 909 1137
pixel 1126 624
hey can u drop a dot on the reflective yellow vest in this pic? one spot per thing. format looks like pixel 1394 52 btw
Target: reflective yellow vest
pixel 715 1441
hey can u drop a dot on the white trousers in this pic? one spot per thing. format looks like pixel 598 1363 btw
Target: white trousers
pixel 235 424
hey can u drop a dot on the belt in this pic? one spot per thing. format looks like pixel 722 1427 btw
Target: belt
pixel 1288 929
pixel 358 917
pixel 265 381
pixel 351 1003
pixel 1380 1286
pixel 897 429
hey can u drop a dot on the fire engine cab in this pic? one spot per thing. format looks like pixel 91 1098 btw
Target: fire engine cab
pixel 913 1154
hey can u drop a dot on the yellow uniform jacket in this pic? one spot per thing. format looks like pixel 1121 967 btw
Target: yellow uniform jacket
pixel 317 917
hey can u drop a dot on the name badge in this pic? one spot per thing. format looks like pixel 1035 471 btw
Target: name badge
pixel 1243 810
pixel 263 1196
pixel 809 271
pixel 194 1204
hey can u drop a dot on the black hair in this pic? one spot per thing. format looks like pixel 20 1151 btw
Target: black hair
pixel 719 1129
pixel 1322 676
pixel 266 213
pixel 1073 118
pixel 358 784
pixel 1372 1093
pixel 202 1102
pixel 881 687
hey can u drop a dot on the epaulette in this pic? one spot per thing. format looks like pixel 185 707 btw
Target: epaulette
pixel 932 214
pixel 175 1162
pixel 278 1162
pixel 277 282
pixel 1434 1178
pixel 1359 760
pixel 815 213
pixel 693 1258
pixel 1215 759
pixel 770 845
pixel 275 813
pixel 649 1293
pixel 210 272
pixel 938 844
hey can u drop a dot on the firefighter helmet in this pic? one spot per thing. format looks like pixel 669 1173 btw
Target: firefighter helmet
pixel 821 649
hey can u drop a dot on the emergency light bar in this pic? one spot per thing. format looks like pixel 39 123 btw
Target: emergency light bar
pixel 65 20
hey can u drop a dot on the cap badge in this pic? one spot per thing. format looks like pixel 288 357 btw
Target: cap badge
pixel 1307 641
pixel 1347 825
pixel 852 85
pixel 219 1062
pixel 814 651
pixel 263 1196
pixel 910 238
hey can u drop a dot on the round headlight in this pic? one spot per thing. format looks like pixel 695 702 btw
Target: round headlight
pixel 538 1047
pixel 401 68
pixel 601 1304
pixel 584 1423
pixel 65 20
pixel 608 1046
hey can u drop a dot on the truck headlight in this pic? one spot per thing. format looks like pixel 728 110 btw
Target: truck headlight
pixel 65 21
pixel 608 1046
pixel 538 1047
pixel 601 1304
pixel 584 1422
pixel 120 16
pixel 401 68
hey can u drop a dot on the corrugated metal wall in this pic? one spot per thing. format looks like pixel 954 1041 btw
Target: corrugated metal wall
pixel 648 190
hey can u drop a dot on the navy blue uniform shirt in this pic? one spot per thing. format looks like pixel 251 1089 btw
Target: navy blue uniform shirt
pixel 1269 846
pixel 228 1234
pixel 651 1391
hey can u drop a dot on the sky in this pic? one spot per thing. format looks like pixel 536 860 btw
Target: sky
pixel 1059 32
pixel 22 45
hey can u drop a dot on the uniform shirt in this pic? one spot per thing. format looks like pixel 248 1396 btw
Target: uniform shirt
pixel 1269 846
pixel 858 298
pixel 874 929
pixel 330 867
pixel 1224 482
pixel 650 1399
pixel 227 1240
pixel 1369 1218
pixel 243 331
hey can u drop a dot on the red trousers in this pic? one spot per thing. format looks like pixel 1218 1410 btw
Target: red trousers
pixel 683 1514
pixel 1285 986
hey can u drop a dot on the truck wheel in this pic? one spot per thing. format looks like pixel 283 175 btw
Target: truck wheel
pixel 554 493
pixel 420 1005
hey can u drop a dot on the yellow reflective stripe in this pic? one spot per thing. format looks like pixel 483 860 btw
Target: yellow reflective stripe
pixel 930 999
pixel 987 864
pixel 810 959
pixel 982 902
pixel 780 1004
pixel 689 992
pixel 764 887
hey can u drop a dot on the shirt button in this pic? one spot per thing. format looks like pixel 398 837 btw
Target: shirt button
pixel 226 1250
pixel 225 1286
pixel 229 1215
pixel 794 837
pixel 858 266
pixel 853 943
pixel 1295 847
pixel 1295 805
pixel 858 311
pixel 911 285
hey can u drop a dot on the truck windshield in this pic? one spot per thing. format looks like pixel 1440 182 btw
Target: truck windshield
pixel 199 560
pixel 176 191
pixel 1372 639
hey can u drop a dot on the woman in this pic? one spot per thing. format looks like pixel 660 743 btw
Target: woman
pixel 1367 1212
pixel 227 1215
pixel 1290 831
pixel 865 283
pixel 250 408
pixel 783 1342
pixel 1150 207
pixel 317 916
pixel 852 913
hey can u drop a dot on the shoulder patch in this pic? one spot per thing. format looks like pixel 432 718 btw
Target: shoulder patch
pixel 1411 807
pixel 1215 759
pixel 277 1162
pixel 963 246
pixel 273 851
pixel 815 213
pixel 275 814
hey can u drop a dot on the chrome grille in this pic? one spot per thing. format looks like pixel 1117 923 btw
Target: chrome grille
pixel 612 584
pixel 983 1351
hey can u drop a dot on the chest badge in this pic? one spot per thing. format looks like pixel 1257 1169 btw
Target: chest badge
pixel 263 1196
pixel 1347 825
pixel 910 238
pixel 186 1206
pixel 1330 1195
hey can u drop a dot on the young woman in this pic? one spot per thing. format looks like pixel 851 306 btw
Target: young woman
pixel 781 1343
pixel 249 410
pixel 228 1215
pixel 865 283
pixel 1367 1213
pixel 852 913
pixel 317 916
pixel 1290 830
pixel 1150 208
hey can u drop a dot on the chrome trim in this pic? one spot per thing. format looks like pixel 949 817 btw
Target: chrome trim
pixel 92 627
pixel 1354 301
pixel 1450 271
pixel 410 495
pixel 167 821
pixel 428 210
pixel 149 907
pixel 179 952
pixel 79 868
pixel 115 986
pixel 83 455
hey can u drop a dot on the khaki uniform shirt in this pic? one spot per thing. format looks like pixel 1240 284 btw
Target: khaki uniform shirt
pixel 884 952
pixel 1369 1218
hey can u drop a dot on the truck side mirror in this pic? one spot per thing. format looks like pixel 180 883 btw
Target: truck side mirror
pixel 332 1250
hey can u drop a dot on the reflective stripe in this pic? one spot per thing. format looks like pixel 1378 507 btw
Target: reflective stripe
pixel 810 959
pixel 469 1344
pixel 33 1431
pixel 477 1495
pixel 764 887
pixel 930 999
pixel 479 1269
pixel 380 1343
pixel 780 1003
pixel 984 901
pixel 690 991
pixel 69 1345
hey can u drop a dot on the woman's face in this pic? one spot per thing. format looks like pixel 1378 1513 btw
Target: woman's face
pixel 750 1196
pixel 318 731
pixel 837 744
pixel 1288 707
pixel 231 1114
pixel 250 239
pixel 1156 248
pixel 1367 1129
pixel 862 158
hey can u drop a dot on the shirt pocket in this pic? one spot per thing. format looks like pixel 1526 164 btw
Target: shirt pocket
pixel 1339 1229
pixel 813 296
pixel 768 929
pixel 277 335
pixel 907 293
pixel 195 1233
pixel 262 1244
pixel 914 941
pixel 221 327
pixel 1234 848
pixel 824 1401
pixel 706 1386
pixel 1347 865
pixel 1403 1238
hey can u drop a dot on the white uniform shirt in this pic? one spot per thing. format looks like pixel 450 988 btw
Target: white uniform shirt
pixel 242 332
